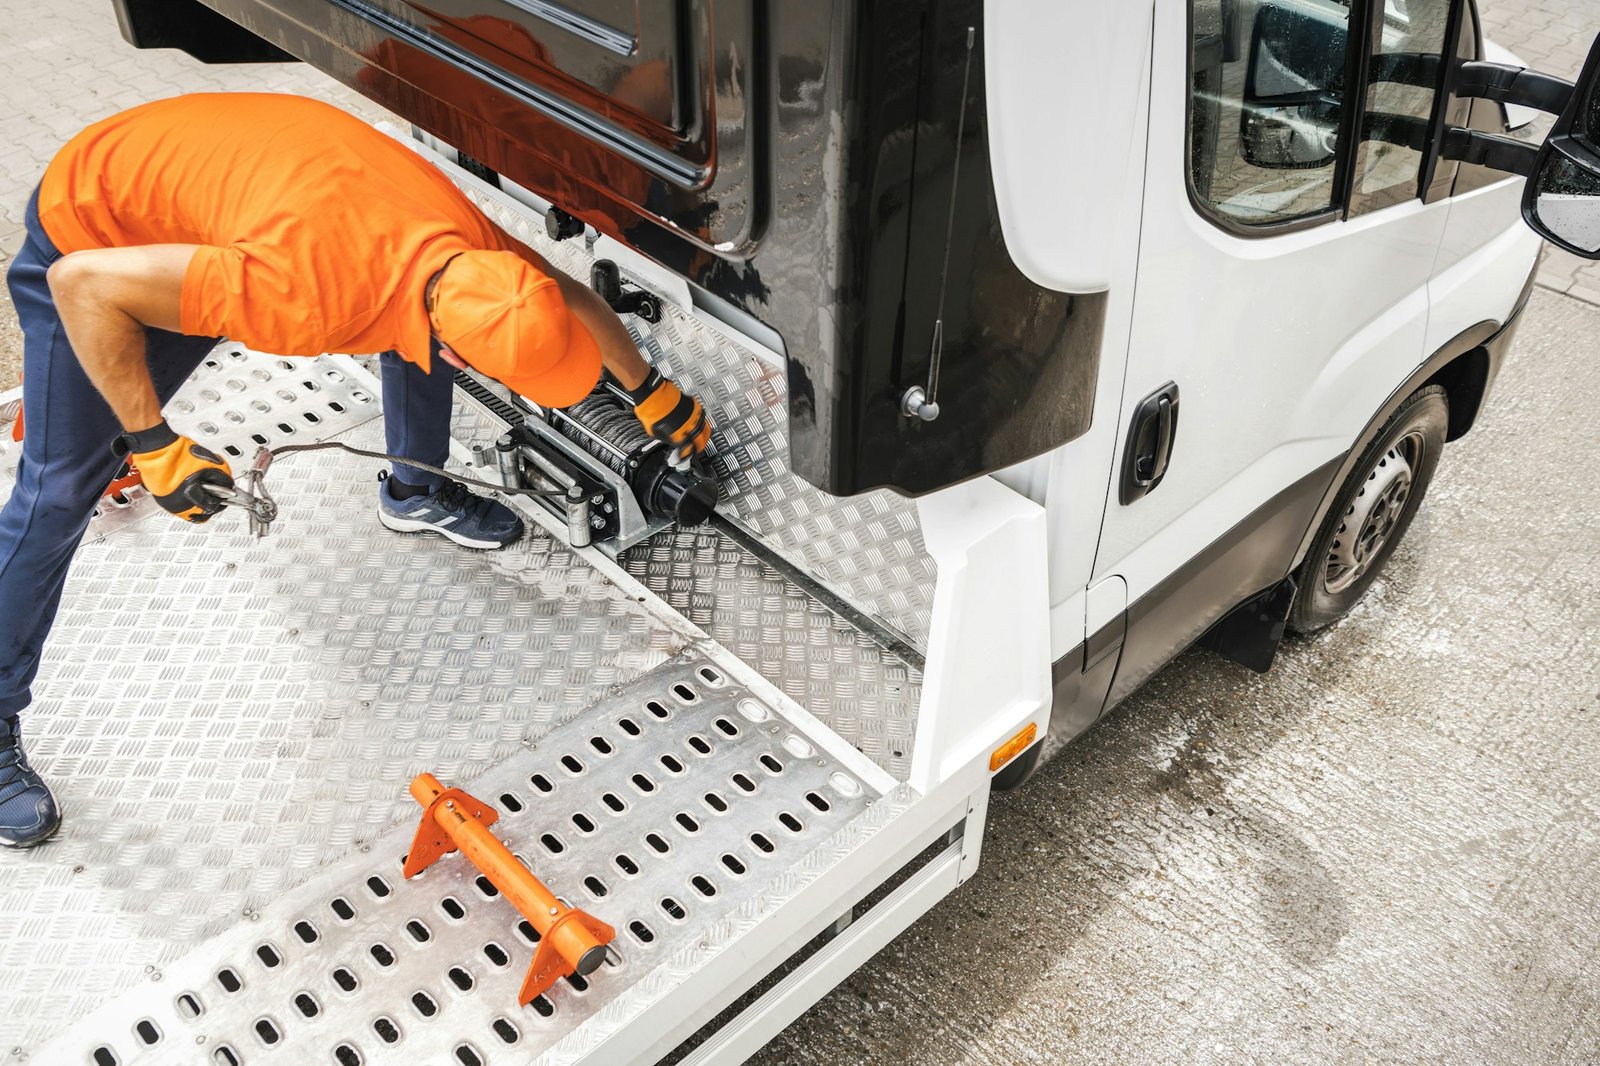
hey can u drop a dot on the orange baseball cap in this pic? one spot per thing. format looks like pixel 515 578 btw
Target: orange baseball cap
pixel 506 318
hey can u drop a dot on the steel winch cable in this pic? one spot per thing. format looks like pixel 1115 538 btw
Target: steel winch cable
pixel 283 449
pixel 599 424
pixel 250 490
pixel 606 430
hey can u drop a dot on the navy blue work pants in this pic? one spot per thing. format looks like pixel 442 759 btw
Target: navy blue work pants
pixel 66 460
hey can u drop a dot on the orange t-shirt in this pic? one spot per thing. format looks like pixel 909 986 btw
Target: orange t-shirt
pixel 318 233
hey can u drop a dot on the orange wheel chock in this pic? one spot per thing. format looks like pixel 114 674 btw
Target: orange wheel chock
pixel 126 479
pixel 570 941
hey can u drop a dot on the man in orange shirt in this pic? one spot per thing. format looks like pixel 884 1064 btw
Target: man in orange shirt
pixel 293 228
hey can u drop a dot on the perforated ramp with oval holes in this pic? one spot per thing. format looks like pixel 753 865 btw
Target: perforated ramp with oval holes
pixel 660 811
pixel 234 402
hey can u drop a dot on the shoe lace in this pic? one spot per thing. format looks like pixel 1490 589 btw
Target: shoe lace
pixel 14 770
pixel 457 497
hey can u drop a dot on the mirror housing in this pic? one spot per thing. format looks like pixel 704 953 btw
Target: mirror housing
pixel 1562 199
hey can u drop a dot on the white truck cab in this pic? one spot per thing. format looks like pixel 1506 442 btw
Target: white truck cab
pixel 1044 339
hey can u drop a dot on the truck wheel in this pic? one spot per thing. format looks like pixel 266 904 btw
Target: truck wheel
pixel 1372 511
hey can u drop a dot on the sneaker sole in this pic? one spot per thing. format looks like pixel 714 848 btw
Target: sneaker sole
pixel 408 525
pixel 43 838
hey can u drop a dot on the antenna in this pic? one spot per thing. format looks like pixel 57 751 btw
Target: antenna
pixel 917 401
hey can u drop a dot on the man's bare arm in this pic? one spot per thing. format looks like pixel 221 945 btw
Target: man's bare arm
pixel 618 351
pixel 106 297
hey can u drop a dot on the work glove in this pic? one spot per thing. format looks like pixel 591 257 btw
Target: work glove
pixel 672 417
pixel 174 468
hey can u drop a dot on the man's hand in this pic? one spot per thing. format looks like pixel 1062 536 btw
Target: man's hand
pixel 176 470
pixel 671 416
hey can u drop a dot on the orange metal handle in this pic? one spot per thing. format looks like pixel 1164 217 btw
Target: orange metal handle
pixel 571 941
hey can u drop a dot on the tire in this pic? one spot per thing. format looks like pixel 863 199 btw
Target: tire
pixel 1372 511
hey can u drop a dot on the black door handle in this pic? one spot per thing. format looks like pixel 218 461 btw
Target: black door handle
pixel 1151 434
pixel 1148 467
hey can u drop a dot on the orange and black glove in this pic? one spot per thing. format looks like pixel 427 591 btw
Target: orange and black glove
pixel 174 468
pixel 671 416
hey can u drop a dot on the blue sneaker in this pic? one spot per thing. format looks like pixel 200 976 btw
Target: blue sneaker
pixel 28 812
pixel 471 521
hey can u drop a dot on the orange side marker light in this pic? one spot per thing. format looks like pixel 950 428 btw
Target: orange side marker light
pixel 570 940
pixel 1013 747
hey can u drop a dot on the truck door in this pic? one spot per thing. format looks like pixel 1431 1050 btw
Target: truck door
pixel 1483 255
pixel 616 104
pixel 1282 291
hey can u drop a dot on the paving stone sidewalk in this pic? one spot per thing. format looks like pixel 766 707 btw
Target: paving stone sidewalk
pixel 63 65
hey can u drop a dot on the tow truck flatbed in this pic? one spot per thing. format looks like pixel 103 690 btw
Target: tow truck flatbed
pixel 699 742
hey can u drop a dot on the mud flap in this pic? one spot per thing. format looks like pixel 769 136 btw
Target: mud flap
pixel 1251 632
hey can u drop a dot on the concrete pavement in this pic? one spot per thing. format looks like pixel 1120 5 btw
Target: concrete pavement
pixel 1385 850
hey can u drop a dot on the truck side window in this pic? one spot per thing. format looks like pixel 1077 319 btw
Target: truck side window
pixel 1266 106
pixel 1404 75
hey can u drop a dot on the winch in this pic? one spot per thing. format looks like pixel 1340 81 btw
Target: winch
pixel 591 464
pixel 619 485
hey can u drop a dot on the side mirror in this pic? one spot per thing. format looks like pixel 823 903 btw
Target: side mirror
pixel 1294 85
pixel 1562 199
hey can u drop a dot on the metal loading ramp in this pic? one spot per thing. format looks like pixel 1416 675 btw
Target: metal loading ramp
pixel 666 808
pixel 231 725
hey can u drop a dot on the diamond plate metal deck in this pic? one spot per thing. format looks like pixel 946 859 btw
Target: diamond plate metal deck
pixel 860 690
pixel 223 717
pixel 868 549
pixel 864 693
pixel 226 719
pixel 666 810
